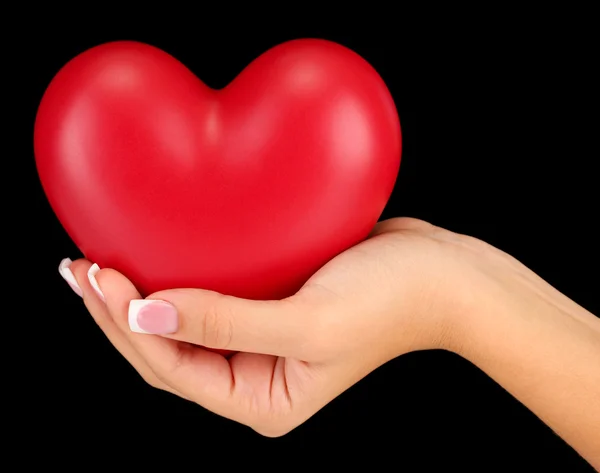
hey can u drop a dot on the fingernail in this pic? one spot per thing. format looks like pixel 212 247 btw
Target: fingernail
pixel 92 277
pixel 67 274
pixel 152 316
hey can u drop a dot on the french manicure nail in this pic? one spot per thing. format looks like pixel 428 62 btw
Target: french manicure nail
pixel 67 274
pixel 92 278
pixel 152 316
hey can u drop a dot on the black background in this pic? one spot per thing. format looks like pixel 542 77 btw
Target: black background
pixel 476 160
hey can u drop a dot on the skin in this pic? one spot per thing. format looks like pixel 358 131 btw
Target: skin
pixel 410 286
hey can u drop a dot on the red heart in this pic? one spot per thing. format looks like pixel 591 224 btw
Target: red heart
pixel 246 190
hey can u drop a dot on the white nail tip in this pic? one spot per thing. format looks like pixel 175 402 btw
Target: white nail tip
pixel 134 308
pixel 92 278
pixel 67 275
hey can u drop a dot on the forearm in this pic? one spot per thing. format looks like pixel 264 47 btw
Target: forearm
pixel 546 353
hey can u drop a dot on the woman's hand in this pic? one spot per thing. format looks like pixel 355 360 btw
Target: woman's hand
pixel 387 296
pixel 410 286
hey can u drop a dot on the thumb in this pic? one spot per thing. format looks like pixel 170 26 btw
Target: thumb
pixel 223 322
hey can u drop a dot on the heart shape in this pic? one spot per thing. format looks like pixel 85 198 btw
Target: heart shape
pixel 247 190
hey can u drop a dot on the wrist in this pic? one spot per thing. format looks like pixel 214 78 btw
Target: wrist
pixel 513 319
pixel 542 348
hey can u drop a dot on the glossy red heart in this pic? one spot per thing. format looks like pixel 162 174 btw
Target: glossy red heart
pixel 247 190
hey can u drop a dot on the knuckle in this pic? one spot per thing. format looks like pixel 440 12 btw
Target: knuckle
pixel 217 326
pixel 152 381
pixel 402 224
pixel 276 429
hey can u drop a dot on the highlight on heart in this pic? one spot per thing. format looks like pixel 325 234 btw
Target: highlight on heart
pixel 247 190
